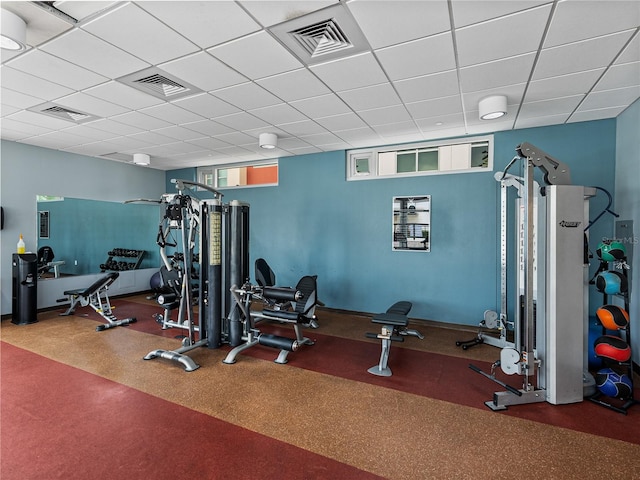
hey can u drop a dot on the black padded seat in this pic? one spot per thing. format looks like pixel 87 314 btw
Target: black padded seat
pixel 391 319
pixel 97 285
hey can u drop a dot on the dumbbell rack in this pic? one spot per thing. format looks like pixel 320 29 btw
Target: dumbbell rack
pixel 597 397
pixel 122 265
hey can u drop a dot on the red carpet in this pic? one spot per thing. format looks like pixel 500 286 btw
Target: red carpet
pixel 45 439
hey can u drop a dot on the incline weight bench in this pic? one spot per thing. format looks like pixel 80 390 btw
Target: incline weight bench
pixel 96 297
pixel 394 327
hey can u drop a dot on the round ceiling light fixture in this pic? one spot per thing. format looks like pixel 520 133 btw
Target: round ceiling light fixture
pixel 492 107
pixel 268 140
pixel 14 32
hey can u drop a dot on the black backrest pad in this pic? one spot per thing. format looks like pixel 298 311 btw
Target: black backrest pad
pixel 101 282
pixel 400 308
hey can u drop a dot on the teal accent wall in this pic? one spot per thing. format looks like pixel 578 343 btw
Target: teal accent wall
pixel 315 222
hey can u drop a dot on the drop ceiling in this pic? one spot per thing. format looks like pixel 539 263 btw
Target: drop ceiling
pixel 397 71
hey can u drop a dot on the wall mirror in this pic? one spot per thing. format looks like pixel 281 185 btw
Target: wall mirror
pixel 412 223
pixel 83 234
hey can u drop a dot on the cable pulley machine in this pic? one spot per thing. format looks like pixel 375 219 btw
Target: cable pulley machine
pixel 550 315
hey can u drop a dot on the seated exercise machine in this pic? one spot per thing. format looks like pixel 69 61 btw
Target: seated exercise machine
pixel 394 328
pixel 96 297
pixel 266 277
pixel 303 300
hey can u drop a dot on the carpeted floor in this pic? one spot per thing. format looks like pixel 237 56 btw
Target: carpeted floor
pixel 79 404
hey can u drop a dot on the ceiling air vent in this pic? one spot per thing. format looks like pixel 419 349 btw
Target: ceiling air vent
pixel 64 113
pixel 323 35
pixel 160 84
pixel 322 38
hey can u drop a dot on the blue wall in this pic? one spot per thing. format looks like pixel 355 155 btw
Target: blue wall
pixel 315 222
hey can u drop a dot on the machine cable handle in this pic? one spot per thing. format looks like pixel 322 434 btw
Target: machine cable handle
pixel 607 209
pixel 511 389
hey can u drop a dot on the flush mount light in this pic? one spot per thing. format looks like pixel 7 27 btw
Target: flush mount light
pixel 14 32
pixel 268 140
pixel 492 107
pixel 141 159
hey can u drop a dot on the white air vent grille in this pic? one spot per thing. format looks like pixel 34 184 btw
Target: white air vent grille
pixel 64 113
pixel 162 85
pixel 159 84
pixel 324 35
pixel 322 38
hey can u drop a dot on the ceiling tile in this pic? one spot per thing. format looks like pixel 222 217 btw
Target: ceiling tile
pixel 206 105
pixel 30 85
pixel 528 122
pixel 596 19
pixel 172 114
pixel 95 148
pixel 294 85
pixel 39 119
pixel 419 57
pixel 271 12
pixel 466 12
pixel 247 96
pixel 631 52
pixel 322 106
pixel 498 73
pixel 550 107
pixel 278 114
pixel 82 48
pixel 204 23
pixel 125 26
pixel 428 87
pixel 22 123
pixel 584 55
pixel 203 71
pixel 208 143
pixel 178 133
pixel 88 104
pixel 123 95
pixel 58 70
pixel 497 38
pixel 17 99
pixel 208 127
pixel 140 120
pixel 357 135
pixel 435 108
pixel 619 76
pixel 91 134
pixel 366 98
pixel 302 129
pixel 115 127
pixel 620 97
pixel 352 72
pixel 563 86
pixel 598 114
pixel 398 132
pixel 385 115
pixel 346 121
pixel 387 23
pixel 441 122
pixel 152 138
pixel 256 56
pixel 241 121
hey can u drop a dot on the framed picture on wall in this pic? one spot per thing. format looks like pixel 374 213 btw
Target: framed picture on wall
pixel 43 217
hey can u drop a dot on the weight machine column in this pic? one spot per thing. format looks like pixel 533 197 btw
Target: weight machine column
pixel 211 271
pixel 237 262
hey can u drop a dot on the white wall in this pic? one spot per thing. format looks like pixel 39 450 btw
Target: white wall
pixel 26 171
pixel 627 205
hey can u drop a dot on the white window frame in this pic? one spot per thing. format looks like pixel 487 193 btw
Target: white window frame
pixel 213 170
pixel 374 154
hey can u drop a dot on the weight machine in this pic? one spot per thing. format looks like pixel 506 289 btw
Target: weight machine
pixel 549 330
pixel 208 277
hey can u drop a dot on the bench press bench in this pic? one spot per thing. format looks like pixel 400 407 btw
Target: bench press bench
pixel 96 297
pixel 394 328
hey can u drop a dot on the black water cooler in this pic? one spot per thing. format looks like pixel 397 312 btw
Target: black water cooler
pixel 25 289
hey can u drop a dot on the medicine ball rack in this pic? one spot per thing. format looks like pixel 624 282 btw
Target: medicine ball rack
pixel 623 332
pixel 120 265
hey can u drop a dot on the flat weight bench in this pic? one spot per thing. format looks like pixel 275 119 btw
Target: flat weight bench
pixel 394 328
pixel 96 297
